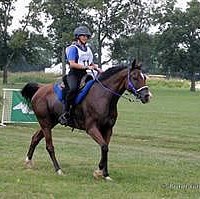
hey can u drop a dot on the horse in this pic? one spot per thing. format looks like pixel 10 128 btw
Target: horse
pixel 96 114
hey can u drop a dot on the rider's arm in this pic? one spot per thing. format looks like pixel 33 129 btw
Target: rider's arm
pixel 72 57
pixel 73 64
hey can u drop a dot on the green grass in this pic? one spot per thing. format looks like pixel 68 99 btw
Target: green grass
pixel 153 152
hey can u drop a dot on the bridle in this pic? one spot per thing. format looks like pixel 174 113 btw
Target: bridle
pixel 131 88
pixel 135 92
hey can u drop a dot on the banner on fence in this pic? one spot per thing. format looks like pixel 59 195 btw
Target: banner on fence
pixel 15 108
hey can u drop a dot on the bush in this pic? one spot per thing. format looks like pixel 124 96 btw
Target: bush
pixel 39 77
pixel 168 83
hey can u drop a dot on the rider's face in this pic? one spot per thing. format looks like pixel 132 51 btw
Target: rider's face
pixel 83 39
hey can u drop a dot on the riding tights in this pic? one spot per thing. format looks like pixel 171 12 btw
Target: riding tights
pixel 72 82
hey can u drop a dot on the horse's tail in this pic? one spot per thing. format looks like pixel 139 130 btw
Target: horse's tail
pixel 29 90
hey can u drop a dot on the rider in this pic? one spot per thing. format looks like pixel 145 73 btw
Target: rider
pixel 80 58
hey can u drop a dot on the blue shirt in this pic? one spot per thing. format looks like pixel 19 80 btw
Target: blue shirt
pixel 72 53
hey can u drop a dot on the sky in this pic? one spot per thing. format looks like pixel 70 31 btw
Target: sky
pixel 20 11
pixel 182 3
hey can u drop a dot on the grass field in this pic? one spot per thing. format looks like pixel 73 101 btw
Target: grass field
pixel 154 153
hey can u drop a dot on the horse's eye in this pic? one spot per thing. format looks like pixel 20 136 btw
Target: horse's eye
pixel 134 78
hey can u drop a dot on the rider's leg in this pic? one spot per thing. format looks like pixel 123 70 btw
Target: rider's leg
pixel 73 83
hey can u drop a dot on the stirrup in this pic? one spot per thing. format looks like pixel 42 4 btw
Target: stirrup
pixel 64 119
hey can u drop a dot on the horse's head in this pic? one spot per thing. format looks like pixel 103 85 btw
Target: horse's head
pixel 137 83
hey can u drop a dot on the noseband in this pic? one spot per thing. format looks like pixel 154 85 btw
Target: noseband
pixel 132 88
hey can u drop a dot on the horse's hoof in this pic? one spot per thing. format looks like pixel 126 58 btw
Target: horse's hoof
pixel 28 163
pixel 60 172
pixel 108 178
pixel 98 174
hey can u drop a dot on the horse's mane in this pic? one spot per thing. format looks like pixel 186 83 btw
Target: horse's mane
pixel 111 71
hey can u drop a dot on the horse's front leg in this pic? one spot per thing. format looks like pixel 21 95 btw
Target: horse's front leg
pixel 50 149
pixel 34 142
pixel 103 169
pixel 103 164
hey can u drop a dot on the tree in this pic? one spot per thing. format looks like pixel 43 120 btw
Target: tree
pixel 21 43
pixel 135 41
pixel 108 24
pixel 179 39
pixel 107 19
pixel 28 42
pixel 5 21
pixel 30 51
pixel 65 16
pixel 112 19
pixel 138 45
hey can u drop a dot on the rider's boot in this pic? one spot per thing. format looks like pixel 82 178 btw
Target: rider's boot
pixel 64 119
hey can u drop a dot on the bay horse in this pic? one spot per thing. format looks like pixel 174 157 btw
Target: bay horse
pixel 96 114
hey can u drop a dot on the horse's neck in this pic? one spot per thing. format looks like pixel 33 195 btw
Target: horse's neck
pixel 116 82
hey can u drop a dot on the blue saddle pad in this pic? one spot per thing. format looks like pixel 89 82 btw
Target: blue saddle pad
pixel 81 95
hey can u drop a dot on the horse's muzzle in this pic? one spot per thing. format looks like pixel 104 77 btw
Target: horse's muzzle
pixel 144 95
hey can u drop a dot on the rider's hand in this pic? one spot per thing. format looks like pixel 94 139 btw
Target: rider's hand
pixel 91 67
pixel 95 67
pixel 99 70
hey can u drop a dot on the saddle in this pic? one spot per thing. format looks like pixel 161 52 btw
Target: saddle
pixel 85 86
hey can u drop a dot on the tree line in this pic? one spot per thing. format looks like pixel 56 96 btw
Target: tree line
pixel 123 26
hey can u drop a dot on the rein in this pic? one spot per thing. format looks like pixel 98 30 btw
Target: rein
pixel 130 86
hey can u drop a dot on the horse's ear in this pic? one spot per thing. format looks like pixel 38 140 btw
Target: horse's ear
pixel 133 64
pixel 140 65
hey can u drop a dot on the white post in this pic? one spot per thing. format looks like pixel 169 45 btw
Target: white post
pixel 3 109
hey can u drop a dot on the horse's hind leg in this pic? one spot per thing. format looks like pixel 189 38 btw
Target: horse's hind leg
pixel 34 142
pixel 50 148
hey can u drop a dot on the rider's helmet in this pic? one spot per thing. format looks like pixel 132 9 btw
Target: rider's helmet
pixel 82 30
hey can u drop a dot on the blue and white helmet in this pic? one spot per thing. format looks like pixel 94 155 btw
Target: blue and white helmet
pixel 82 30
